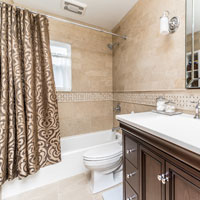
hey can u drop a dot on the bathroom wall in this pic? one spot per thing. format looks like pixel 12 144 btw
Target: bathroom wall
pixel 147 64
pixel 141 68
pixel 89 107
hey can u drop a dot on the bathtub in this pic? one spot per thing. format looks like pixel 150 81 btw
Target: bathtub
pixel 72 149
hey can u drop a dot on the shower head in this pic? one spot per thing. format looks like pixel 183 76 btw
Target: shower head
pixel 111 46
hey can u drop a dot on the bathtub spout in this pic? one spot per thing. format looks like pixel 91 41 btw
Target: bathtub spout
pixel 114 129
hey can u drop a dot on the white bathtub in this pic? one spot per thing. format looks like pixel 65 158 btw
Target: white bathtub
pixel 72 148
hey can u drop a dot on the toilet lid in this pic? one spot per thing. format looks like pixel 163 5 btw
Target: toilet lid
pixel 103 152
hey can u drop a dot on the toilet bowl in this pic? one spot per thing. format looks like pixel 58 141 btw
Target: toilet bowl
pixel 105 164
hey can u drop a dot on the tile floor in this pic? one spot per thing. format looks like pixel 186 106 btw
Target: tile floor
pixel 75 188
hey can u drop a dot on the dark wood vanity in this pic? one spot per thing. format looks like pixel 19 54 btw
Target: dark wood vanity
pixel 155 169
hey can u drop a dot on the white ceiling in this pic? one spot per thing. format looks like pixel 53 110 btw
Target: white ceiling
pixel 103 13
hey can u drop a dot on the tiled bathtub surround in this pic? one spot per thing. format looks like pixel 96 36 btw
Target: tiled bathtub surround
pixel 84 112
pixel 182 100
pixel 84 117
pixel 64 97
pixel 88 108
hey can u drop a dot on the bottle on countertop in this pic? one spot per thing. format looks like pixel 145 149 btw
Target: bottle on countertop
pixel 170 107
pixel 160 103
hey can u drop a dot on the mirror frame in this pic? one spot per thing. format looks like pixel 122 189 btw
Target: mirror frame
pixel 188 86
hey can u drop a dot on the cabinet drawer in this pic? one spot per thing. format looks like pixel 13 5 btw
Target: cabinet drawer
pixel 131 151
pixel 130 193
pixel 132 176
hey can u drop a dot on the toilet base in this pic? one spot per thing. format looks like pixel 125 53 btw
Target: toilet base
pixel 100 181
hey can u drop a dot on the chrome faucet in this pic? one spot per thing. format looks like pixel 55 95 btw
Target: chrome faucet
pixel 197 110
pixel 117 109
pixel 114 129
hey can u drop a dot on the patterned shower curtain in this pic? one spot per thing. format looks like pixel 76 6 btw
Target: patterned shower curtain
pixel 29 125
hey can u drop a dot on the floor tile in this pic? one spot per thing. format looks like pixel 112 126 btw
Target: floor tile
pixel 74 188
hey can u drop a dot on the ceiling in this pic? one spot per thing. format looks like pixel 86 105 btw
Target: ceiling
pixel 103 13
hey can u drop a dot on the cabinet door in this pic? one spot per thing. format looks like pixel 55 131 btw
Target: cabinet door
pixel 181 185
pixel 151 166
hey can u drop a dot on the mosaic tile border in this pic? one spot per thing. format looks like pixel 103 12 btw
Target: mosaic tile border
pixel 64 97
pixel 182 100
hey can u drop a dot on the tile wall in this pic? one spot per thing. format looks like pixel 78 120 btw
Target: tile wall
pixel 147 64
pixel 140 69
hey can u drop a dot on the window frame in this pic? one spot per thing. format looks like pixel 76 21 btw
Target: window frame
pixel 68 46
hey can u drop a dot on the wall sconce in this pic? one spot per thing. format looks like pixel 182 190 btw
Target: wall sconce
pixel 168 26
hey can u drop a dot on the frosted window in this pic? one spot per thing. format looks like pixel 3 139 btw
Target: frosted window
pixel 61 58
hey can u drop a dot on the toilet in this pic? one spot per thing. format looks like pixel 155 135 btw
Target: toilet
pixel 105 164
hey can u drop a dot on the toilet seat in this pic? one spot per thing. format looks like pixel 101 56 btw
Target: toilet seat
pixel 105 164
pixel 103 153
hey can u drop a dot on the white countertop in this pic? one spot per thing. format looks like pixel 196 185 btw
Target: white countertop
pixel 182 130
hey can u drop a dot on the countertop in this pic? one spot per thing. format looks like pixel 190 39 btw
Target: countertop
pixel 182 130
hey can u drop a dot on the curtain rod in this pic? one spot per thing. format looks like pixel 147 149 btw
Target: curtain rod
pixel 74 23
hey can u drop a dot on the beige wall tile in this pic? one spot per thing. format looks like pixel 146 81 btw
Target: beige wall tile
pixel 91 59
pixel 91 72
pixel 148 60
pixel 83 117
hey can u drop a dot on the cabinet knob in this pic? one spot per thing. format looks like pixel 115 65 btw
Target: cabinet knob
pixel 164 178
pixel 128 151
pixel 160 177
pixel 130 175
pixel 133 197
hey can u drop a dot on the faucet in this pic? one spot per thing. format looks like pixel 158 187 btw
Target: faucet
pixel 197 110
pixel 117 108
pixel 114 129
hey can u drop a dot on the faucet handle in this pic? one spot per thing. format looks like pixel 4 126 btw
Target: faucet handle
pixel 197 109
pixel 196 101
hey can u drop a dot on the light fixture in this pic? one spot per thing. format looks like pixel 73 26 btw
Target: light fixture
pixel 168 25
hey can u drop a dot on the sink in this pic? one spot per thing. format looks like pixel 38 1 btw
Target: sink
pixel 182 130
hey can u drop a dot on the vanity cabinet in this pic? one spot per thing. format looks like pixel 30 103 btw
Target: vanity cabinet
pixel 151 167
pixel 155 169
pixel 181 186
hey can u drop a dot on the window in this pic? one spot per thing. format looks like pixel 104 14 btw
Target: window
pixel 61 58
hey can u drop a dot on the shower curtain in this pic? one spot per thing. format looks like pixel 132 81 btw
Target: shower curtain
pixel 29 125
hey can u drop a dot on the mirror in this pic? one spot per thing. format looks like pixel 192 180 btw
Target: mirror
pixel 192 44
